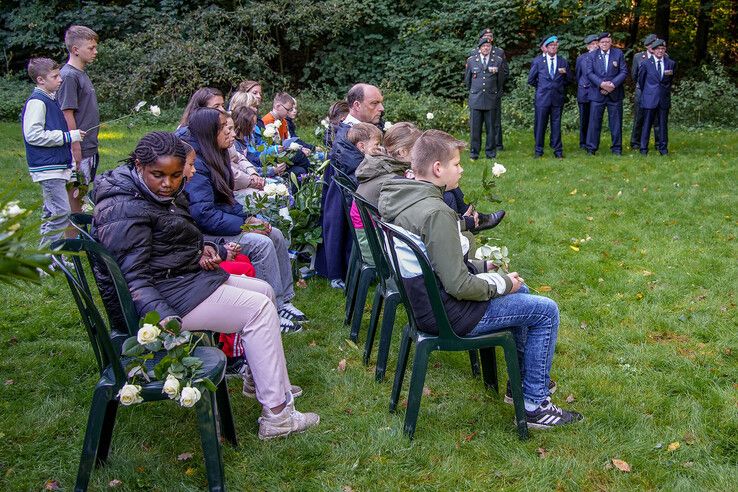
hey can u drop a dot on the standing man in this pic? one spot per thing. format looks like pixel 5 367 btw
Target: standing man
pixel 78 101
pixel 607 71
pixel 583 88
pixel 483 78
pixel 549 74
pixel 500 53
pixel 655 77
pixel 638 59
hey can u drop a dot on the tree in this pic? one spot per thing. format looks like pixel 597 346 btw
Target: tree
pixel 663 17
pixel 704 23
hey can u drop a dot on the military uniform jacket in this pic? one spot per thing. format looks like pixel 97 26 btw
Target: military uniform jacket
pixel 484 82
pixel 583 83
pixel 656 90
pixel 616 72
pixel 500 53
pixel 638 59
pixel 549 91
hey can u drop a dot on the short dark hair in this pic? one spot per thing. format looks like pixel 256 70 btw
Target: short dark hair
pixel 356 93
pixel 283 98
pixel 198 100
pixel 432 146
pixel 40 67
pixel 243 120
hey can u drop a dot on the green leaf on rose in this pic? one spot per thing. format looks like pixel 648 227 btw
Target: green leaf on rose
pixel 152 318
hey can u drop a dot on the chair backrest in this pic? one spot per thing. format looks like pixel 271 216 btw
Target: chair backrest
pixel 342 177
pixel 348 196
pixel 98 331
pixel 369 215
pixel 395 239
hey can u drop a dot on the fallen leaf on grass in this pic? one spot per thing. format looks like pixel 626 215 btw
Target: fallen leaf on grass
pixel 312 343
pixel 347 488
pixel 342 365
pixel 570 398
pixel 674 446
pixel 620 193
pixel 646 273
pixel 621 465
pixel 639 296
pixel 659 445
pixel 301 283
pixel 8 382
pixel 575 248
pixel 190 471
pixel 688 464
pixel 52 485
pixel 140 469
pixel 426 391
pixel 583 325
pixel 544 288
pixel 542 452
pixel 13 341
pixel 348 411
pixel 590 219
pixel 690 438
pixel 351 344
pixel 471 436
pixel 115 483
pixel 184 457
pixel 573 192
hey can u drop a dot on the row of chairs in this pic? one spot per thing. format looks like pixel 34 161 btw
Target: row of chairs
pixel 214 416
pixel 390 292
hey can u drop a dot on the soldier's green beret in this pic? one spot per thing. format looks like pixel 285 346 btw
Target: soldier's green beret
pixel 657 43
pixel 648 40
pixel 590 38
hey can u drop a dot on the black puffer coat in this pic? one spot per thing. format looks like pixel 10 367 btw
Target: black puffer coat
pixel 156 243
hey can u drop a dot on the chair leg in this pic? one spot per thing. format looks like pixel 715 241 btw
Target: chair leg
pixel 373 322
pixel 401 367
pixel 365 279
pixel 227 426
pixel 106 435
pixel 417 380
pixel 513 373
pixel 210 444
pixel 474 359
pixel 95 424
pixel 351 278
pixel 385 336
pixel 488 358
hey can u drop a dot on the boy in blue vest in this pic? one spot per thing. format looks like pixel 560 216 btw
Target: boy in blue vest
pixel 48 146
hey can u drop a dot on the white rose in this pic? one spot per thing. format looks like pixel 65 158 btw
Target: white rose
pixel 270 189
pixel 483 252
pixel 498 170
pixel 147 333
pixel 171 387
pixel 295 146
pixel 387 125
pixel 189 396
pixel 129 394
pixel 12 210
pixel 282 190
pixel 277 123
pixel 155 110
pixel 140 105
pixel 269 131
pixel 325 122
pixel 429 116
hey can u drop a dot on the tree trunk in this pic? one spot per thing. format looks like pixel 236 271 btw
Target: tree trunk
pixel 704 23
pixel 635 19
pixel 663 14
pixel 729 53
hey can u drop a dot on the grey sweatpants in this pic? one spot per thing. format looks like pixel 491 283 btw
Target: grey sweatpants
pixel 56 210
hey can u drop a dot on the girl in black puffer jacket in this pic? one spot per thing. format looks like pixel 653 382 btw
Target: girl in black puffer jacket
pixel 140 218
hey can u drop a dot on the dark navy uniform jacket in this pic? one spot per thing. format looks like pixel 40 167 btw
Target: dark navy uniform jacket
pixel 549 92
pixel 484 82
pixel 656 90
pixel 583 83
pixel 617 72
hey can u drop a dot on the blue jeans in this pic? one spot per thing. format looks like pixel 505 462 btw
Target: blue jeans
pixel 535 325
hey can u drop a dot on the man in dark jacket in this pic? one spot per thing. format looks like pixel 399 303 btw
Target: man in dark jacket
pixel 549 74
pixel 487 34
pixel 638 59
pixel 607 71
pixel 583 85
pixel 655 78
pixel 476 299
pixel 483 78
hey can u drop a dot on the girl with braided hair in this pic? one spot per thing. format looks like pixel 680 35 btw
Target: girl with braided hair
pixel 141 218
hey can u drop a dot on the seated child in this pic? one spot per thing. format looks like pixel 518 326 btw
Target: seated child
pixel 336 113
pixel 476 303
pixel 48 147
pixel 249 140
pixel 281 107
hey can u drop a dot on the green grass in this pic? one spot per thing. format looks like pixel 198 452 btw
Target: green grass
pixel 648 347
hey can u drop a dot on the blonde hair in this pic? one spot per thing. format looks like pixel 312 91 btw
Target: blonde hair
pixel 363 132
pixel 433 146
pixel 75 34
pixel 241 99
pixel 401 136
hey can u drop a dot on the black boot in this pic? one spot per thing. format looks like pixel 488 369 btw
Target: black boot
pixel 488 221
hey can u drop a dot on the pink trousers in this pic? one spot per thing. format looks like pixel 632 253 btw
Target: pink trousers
pixel 247 305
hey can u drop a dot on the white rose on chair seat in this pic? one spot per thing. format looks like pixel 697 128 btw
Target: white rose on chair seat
pixel 190 396
pixel 147 333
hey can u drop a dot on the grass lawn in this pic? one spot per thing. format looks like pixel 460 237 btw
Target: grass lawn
pixel 647 350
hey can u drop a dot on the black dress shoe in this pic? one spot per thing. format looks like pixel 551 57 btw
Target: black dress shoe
pixel 500 147
pixel 590 152
pixel 644 152
pixel 488 221
pixel 616 152
pixel 473 157
pixel 537 156
pixel 491 156
pixel 559 156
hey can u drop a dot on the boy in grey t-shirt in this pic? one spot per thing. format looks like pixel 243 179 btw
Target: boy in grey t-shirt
pixel 78 100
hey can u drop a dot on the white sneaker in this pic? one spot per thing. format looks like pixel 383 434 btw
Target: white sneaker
pixel 249 387
pixel 288 421
pixel 290 312
pixel 288 326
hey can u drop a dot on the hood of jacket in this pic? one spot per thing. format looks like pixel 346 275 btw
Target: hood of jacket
pixel 379 165
pixel 399 194
pixel 347 155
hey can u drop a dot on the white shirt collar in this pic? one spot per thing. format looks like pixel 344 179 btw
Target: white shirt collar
pixel 350 120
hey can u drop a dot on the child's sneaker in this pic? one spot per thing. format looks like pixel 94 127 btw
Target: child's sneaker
pixel 287 326
pixel 338 284
pixel 249 387
pixel 508 394
pixel 290 312
pixel 288 421
pixel 548 416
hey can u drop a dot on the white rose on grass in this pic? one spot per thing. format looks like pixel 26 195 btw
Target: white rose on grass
pixel 130 394
pixel 295 146
pixel 269 130
pixel 387 125
pixel 147 333
pixel 189 397
pixel 140 105
pixel 155 110
pixel 498 170
pixel 12 210
pixel 429 116
pixel 270 189
pixel 282 190
pixel 171 387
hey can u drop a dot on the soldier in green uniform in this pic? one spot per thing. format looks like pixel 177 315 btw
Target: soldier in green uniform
pixel 638 58
pixel 487 34
pixel 483 78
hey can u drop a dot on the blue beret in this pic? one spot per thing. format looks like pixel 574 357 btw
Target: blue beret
pixel 548 40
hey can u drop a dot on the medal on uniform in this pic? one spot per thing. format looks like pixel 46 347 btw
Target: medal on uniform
pixel 615 64
pixel 562 70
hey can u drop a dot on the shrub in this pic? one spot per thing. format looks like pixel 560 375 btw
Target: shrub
pixel 708 100
pixel 13 93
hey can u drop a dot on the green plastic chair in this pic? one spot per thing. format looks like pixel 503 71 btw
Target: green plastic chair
pixel 446 340
pixel 361 274
pixel 386 294
pixel 106 345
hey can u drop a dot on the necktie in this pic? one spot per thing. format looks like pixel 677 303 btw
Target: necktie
pixel 551 67
pixel 607 56
pixel 661 72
